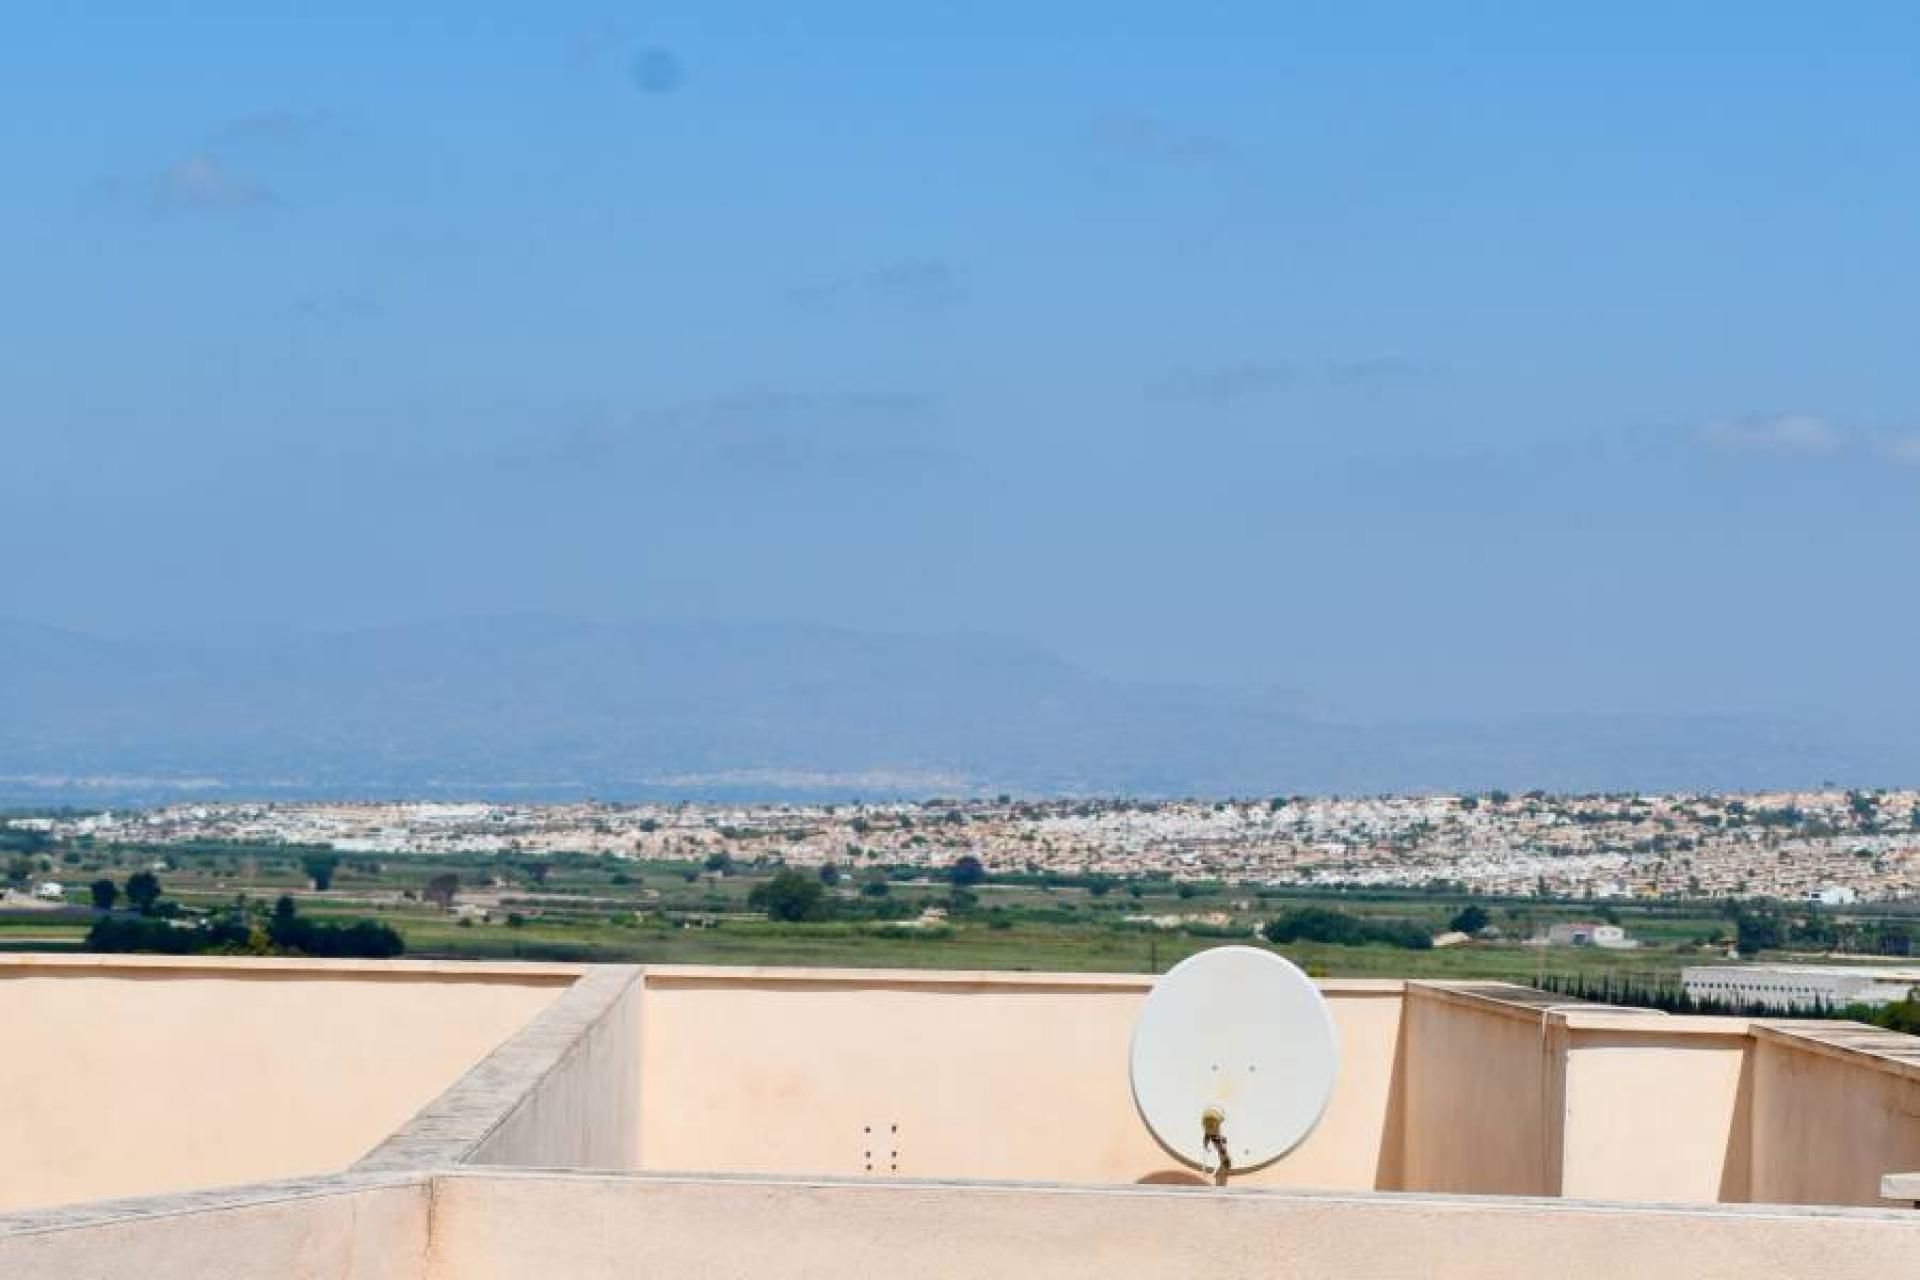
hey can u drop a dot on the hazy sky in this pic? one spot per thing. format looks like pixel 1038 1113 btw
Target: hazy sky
pixel 1450 358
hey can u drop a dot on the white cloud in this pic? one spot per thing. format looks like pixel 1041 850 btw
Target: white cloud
pixel 1796 434
pixel 1902 451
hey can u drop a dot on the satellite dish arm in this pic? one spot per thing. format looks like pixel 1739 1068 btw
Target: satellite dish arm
pixel 1215 1143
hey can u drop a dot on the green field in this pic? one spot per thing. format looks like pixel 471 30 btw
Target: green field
pixel 596 908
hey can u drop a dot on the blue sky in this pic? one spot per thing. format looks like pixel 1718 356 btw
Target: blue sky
pixel 1458 360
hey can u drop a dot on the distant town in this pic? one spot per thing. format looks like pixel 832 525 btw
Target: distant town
pixel 1832 846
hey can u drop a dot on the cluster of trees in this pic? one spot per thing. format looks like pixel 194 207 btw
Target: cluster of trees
pixel 292 934
pixel 1471 918
pixel 1323 924
pixel 1766 926
pixel 24 850
pixel 142 892
pixel 241 931
pixel 791 896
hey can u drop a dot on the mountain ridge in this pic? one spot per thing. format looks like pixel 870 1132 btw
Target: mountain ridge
pixel 557 707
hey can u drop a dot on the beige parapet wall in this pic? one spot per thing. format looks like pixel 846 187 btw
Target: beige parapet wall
pixel 469 1099
pixel 1478 1094
pixel 480 1225
pixel 563 1092
pixel 1509 1092
pixel 128 1075
pixel 338 1228
pixel 955 1075
pixel 124 1075
pixel 599 1228
pixel 1467 1088
pixel 1836 1106
pixel 1655 1108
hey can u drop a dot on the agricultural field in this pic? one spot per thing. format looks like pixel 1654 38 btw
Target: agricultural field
pixel 599 907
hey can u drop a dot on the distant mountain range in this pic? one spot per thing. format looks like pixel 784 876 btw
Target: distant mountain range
pixel 555 708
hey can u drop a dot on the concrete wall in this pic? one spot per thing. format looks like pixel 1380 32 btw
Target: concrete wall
pixel 1835 1106
pixel 495 1228
pixel 498 1225
pixel 339 1232
pixel 1511 1093
pixel 128 1075
pixel 956 1076
pixel 1656 1109
pixel 131 1075
pixel 1482 1095
pixel 583 1112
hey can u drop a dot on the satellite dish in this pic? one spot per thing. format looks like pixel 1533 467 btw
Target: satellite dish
pixel 1234 1055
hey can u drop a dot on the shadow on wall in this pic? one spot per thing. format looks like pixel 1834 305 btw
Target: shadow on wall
pixel 1736 1169
pixel 1389 1170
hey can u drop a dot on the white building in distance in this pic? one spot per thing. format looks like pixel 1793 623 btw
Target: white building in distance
pixel 1799 986
pixel 1588 933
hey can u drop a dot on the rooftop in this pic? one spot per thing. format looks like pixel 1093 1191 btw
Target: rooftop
pixel 403 1119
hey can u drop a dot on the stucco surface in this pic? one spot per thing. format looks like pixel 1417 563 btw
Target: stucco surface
pixel 996 1076
pixel 1481 1103
pixel 500 1228
pixel 1829 1124
pixel 134 1076
pixel 133 1079
pixel 327 1232
pixel 583 1112
pixel 1653 1115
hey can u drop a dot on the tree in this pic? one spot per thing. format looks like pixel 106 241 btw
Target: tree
pixel 1322 924
pixel 720 863
pixel 1756 932
pixel 105 893
pixel 789 896
pixel 284 925
pixel 966 870
pixel 1471 918
pixel 320 868
pixel 829 874
pixel 537 872
pixel 291 934
pixel 143 890
pixel 441 889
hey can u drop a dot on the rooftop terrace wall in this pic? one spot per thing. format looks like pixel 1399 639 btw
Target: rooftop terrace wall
pixel 144 1074
pixel 124 1075
pixel 1510 1092
pixel 496 1228
pixel 549 1226
pixel 1836 1106
pixel 957 1075
pixel 1579 1116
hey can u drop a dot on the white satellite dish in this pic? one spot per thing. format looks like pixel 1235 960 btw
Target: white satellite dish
pixel 1234 1049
